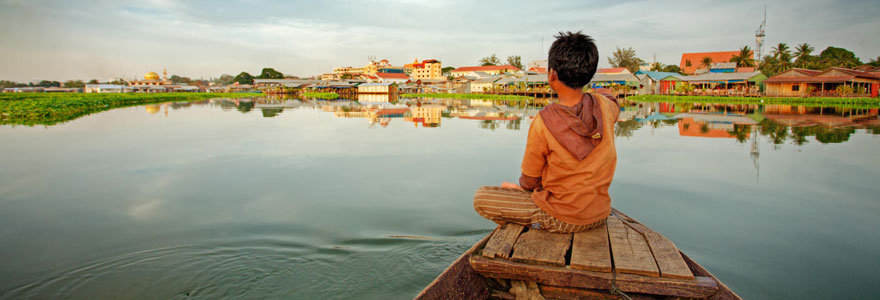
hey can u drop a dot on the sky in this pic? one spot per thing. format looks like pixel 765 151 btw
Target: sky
pixel 100 39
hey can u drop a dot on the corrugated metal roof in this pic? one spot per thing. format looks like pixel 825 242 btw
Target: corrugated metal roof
pixel 614 77
pixel 656 75
pixel 377 84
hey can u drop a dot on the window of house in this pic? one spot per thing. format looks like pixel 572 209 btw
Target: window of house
pixel 796 87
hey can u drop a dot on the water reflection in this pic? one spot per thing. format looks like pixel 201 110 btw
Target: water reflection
pixel 777 123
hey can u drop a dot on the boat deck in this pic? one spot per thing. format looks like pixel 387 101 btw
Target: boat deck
pixel 623 254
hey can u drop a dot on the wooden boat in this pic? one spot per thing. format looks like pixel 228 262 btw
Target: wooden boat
pixel 622 259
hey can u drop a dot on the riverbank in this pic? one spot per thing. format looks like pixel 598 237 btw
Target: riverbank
pixel 53 108
pixel 810 102
pixel 470 96
pixel 320 95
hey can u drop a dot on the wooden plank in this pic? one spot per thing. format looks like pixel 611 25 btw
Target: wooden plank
pixel 629 250
pixel 666 255
pixel 502 240
pixel 542 247
pixel 590 250
pixel 459 280
pixel 556 292
pixel 700 287
pixel 724 292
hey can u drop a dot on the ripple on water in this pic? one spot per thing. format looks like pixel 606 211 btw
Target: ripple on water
pixel 364 268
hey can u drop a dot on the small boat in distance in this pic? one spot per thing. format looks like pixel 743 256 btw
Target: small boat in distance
pixel 622 259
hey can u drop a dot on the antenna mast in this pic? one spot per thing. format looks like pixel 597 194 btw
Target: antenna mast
pixel 759 36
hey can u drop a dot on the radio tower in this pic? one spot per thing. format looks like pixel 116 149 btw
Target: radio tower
pixel 759 36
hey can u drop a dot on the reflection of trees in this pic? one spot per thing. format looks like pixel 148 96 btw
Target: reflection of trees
pixel 489 124
pixel 833 135
pixel 245 107
pixel 704 128
pixel 626 128
pixel 514 124
pixel 775 131
pixel 799 134
pixel 741 132
pixel 271 111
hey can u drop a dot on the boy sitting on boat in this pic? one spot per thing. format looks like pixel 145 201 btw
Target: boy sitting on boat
pixel 570 156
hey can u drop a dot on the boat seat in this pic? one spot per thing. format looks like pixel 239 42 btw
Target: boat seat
pixel 623 253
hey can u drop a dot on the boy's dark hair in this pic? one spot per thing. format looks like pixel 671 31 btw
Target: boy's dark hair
pixel 574 57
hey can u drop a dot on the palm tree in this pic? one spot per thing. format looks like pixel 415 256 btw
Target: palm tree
pixel 744 58
pixel 706 61
pixel 802 54
pixel 780 49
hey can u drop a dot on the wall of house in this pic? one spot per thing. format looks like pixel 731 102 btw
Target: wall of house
pixel 785 89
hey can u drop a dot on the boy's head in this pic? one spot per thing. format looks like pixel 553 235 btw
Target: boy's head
pixel 572 60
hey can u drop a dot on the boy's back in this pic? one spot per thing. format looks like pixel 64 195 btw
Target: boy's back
pixel 570 155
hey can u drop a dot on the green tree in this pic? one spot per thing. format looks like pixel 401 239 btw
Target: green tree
pixel 447 70
pixel 119 81
pixel 11 84
pixel 224 79
pixel 74 84
pixel 875 62
pixel 93 81
pixel 802 55
pixel 838 57
pixel 672 68
pixel 706 62
pixel 490 60
pixel 625 58
pixel 780 49
pixel 244 78
pixel 179 79
pixel 744 58
pixel 515 61
pixel 270 73
pixel 48 83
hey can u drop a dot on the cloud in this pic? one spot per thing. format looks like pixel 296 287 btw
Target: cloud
pixel 104 39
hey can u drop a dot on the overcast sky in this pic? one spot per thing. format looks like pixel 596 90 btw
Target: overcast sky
pixel 61 40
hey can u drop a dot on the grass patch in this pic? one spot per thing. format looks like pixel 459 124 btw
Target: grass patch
pixel 320 95
pixel 53 108
pixel 840 102
pixel 470 96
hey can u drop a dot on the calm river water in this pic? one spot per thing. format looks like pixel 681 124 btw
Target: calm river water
pixel 371 200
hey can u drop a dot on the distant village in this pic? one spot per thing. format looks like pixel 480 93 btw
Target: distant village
pixel 704 73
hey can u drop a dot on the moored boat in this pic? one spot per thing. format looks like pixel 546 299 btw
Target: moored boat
pixel 622 259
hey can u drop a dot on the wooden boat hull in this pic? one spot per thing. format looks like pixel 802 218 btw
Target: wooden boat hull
pixel 461 281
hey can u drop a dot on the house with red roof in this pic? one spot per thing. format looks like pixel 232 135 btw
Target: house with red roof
pixel 392 77
pixel 490 70
pixel 613 71
pixel 812 83
pixel 691 62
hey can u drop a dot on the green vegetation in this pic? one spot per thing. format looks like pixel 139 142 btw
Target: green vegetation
pixel 625 58
pixel 814 101
pixel 53 108
pixel 490 60
pixel 320 95
pixel 470 96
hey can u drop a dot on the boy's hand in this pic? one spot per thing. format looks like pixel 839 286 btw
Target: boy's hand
pixel 511 186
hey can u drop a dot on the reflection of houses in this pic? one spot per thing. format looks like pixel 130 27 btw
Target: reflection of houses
pixel 427 114
pixel 803 82
pixel 801 116
pixel 711 125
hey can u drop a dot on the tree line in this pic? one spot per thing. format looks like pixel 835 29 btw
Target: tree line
pixel 225 79
pixel 780 59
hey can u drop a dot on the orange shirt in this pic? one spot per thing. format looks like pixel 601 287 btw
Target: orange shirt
pixel 574 191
